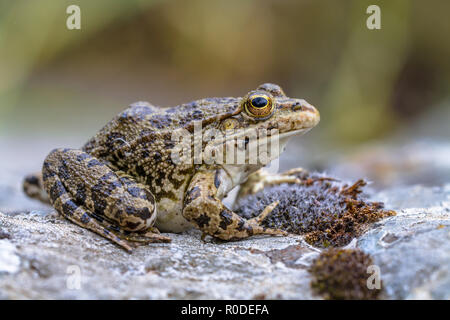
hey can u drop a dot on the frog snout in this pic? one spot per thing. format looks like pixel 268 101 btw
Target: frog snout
pixel 303 105
pixel 307 112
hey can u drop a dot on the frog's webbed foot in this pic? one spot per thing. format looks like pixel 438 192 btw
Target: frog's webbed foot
pixel 89 193
pixel 209 214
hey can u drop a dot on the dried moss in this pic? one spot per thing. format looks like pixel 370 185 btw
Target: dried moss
pixel 326 211
pixel 342 275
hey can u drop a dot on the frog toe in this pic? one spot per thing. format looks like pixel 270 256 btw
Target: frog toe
pixel 148 237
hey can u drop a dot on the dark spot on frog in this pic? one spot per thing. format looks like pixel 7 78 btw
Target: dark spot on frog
pixel 202 220
pixel 197 114
pixel 97 197
pixel 140 171
pixel 93 163
pixel 144 154
pixel 142 213
pixel 132 225
pixel 80 195
pixel 46 173
pixel 135 192
pixel 82 157
pixel 114 185
pixel 249 230
pixel 226 219
pixel 85 218
pixel 63 172
pixel 157 156
pixel 57 190
pixel 106 177
pixel 169 145
pixel 160 121
pixel 240 226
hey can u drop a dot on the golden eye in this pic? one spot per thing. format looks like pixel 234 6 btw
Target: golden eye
pixel 230 124
pixel 259 106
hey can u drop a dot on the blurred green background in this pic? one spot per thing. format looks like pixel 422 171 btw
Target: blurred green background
pixel 367 84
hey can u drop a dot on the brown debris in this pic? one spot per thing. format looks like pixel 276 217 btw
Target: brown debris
pixel 342 275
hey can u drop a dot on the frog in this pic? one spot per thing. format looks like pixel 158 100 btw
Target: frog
pixel 126 185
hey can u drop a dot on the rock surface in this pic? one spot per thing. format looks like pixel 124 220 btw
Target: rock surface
pixel 45 254
pixel 42 256
pixel 412 249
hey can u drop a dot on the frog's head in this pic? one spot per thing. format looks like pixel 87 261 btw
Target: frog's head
pixel 267 109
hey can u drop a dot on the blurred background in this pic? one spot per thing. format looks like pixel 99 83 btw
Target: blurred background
pixel 383 94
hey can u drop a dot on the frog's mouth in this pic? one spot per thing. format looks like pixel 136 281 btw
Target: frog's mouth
pixel 261 149
pixel 260 137
pixel 289 134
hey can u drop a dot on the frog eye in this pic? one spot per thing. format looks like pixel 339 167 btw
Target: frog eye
pixel 259 106
pixel 229 124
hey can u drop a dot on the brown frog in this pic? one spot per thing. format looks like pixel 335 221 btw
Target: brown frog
pixel 129 181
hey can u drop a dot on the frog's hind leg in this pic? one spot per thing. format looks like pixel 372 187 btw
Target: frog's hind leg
pixel 33 186
pixel 92 195
pixel 65 205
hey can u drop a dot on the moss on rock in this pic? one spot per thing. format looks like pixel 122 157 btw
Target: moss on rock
pixel 342 274
pixel 326 211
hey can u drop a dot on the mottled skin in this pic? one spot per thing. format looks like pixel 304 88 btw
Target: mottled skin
pixel 123 183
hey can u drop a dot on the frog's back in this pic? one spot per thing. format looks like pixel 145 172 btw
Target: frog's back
pixel 143 121
pixel 138 141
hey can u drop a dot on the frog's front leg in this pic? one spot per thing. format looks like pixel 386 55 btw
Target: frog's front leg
pixel 204 209
pixel 89 193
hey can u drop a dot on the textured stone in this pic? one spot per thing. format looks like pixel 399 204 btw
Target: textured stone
pixel 412 249
pixel 50 247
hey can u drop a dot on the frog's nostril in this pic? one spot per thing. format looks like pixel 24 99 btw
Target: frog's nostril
pixel 297 106
pixel 303 106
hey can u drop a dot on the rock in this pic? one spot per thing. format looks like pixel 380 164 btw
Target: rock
pixel 9 261
pixel 412 249
pixel 47 253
